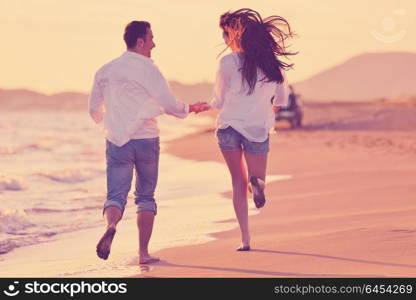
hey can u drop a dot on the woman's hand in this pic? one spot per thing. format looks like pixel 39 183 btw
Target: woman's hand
pixel 199 107
pixel 276 108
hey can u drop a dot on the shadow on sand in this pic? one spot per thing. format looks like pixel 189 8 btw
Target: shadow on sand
pixel 254 272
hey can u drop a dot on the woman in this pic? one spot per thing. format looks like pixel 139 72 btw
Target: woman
pixel 250 82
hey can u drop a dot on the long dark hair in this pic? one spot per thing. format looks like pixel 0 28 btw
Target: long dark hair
pixel 261 42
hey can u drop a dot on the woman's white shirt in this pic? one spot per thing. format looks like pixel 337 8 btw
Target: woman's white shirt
pixel 251 115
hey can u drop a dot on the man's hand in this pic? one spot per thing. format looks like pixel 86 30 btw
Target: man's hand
pixel 199 107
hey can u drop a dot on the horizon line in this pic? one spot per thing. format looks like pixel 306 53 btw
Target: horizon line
pixel 24 88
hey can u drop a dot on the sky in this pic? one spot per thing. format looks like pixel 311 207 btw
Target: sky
pixel 53 46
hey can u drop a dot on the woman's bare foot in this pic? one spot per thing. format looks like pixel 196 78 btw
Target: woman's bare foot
pixel 257 187
pixel 104 245
pixel 245 244
pixel 243 248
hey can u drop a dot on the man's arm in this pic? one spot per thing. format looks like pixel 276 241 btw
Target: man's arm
pixel 159 89
pixel 96 100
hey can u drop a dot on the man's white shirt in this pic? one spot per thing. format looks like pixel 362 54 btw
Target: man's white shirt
pixel 128 94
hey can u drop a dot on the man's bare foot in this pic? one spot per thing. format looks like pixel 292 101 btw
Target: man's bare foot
pixel 104 245
pixel 148 259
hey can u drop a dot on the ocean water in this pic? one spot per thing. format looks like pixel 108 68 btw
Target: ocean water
pixel 52 188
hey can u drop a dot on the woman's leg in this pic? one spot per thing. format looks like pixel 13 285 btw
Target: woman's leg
pixel 256 165
pixel 235 163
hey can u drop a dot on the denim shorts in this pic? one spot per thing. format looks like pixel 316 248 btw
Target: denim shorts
pixel 141 155
pixel 230 139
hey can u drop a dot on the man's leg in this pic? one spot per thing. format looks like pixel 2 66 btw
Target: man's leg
pixel 147 165
pixel 119 177
pixel 145 221
pixel 113 216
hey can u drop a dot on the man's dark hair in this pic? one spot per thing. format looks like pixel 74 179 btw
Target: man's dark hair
pixel 133 31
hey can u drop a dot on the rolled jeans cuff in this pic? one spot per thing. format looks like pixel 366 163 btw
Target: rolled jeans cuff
pixel 146 205
pixel 117 204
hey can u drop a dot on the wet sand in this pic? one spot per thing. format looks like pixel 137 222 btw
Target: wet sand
pixel 348 211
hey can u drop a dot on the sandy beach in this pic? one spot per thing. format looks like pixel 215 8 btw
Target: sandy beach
pixel 347 211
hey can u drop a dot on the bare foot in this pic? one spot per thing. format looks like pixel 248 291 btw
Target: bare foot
pixel 104 245
pixel 245 245
pixel 243 248
pixel 148 259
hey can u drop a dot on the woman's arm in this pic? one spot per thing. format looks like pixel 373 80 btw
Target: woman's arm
pixel 220 85
pixel 281 93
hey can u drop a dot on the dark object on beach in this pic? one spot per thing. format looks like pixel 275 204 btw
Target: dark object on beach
pixel 293 112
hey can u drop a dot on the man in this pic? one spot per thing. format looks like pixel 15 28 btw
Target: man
pixel 128 93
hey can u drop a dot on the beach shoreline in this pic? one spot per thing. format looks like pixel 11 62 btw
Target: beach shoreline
pixel 343 209
pixel 329 220
pixel 45 248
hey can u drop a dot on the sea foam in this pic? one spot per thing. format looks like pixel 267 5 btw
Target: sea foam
pixel 71 176
pixel 12 220
pixel 10 183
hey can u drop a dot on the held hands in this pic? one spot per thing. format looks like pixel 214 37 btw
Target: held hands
pixel 199 107
pixel 276 108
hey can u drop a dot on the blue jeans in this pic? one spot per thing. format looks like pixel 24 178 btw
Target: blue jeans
pixel 139 154
pixel 230 139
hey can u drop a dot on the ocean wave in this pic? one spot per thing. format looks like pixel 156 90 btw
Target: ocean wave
pixel 47 144
pixel 34 146
pixel 54 211
pixel 7 150
pixel 12 220
pixel 9 244
pixel 71 176
pixel 10 183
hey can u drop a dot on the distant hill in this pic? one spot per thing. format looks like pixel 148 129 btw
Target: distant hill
pixel 21 99
pixel 365 77
pixel 30 100
pixel 369 76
